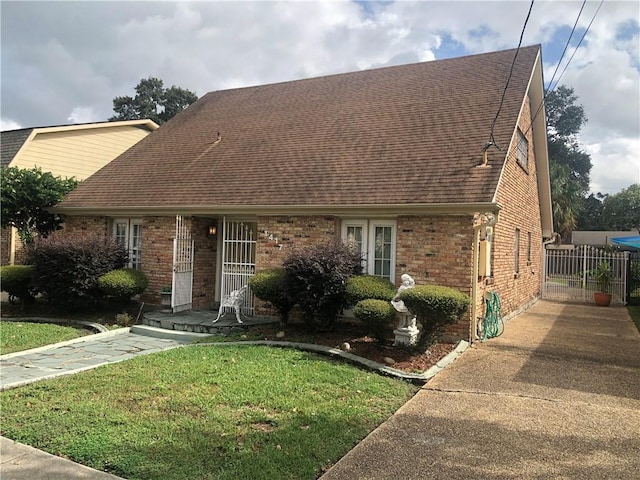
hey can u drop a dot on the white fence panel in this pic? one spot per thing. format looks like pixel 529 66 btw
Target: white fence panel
pixel 238 259
pixel 183 248
pixel 570 274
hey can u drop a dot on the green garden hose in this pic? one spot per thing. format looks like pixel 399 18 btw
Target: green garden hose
pixel 492 324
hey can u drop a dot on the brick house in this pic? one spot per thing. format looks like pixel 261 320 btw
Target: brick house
pixel 394 158
pixel 66 151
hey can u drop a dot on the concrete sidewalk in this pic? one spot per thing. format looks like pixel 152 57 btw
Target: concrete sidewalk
pixel 557 396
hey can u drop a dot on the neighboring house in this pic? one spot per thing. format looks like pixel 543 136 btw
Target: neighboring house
pixel 66 151
pixel 599 238
pixel 393 158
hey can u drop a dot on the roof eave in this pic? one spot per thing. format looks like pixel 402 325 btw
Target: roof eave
pixel 273 210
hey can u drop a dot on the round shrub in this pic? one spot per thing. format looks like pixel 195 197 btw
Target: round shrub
pixel 377 315
pixel 362 287
pixel 16 280
pixel 268 286
pixel 435 305
pixel 123 283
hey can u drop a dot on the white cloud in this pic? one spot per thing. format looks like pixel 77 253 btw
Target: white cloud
pixel 6 124
pixel 66 61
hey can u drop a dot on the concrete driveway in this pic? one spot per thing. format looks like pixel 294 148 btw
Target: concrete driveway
pixel 556 397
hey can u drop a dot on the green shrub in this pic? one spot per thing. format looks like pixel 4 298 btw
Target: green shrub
pixel 362 287
pixel 377 315
pixel 315 279
pixel 16 281
pixel 268 285
pixel 435 305
pixel 123 283
pixel 67 268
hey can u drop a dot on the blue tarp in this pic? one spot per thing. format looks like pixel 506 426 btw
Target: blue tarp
pixel 633 242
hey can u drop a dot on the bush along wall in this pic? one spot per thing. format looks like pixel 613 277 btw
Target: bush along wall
pixel 66 269
pixel 435 306
pixel 16 281
pixel 123 284
pixel 268 286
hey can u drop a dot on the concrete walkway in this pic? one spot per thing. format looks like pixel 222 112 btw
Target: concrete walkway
pixel 77 355
pixel 22 462
pixel 557 396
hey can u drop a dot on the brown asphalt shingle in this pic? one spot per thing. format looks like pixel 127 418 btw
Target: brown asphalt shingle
pixel 10 143
pixel 409 134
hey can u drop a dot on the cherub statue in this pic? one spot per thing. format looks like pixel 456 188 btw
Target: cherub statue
pixel 407 320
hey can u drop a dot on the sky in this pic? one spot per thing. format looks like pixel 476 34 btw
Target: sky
pixel 65 62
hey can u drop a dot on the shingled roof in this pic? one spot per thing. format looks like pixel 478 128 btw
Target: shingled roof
pixel 402 135
pixel 10 142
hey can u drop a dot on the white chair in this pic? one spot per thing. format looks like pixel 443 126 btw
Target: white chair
pixel 235 300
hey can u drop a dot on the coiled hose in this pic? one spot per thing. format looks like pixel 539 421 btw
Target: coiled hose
pixel 492 325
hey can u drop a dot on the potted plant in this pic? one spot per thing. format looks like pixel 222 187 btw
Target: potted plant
pixel 165 296
pixel 603 277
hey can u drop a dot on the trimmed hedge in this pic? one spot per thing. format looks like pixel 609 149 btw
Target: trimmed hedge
pixel 16 281
pixel 123 283
pixel 377 315
pixel 435 305
pixel 67 268
pixel 362 287
pixel 268 286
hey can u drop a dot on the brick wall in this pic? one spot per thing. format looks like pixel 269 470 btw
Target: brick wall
pixel 437 250
pixel 278 235
pixel 518 194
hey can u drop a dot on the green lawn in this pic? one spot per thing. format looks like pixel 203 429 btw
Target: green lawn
pixel 206 412
pixel 17 336
pixel 634 311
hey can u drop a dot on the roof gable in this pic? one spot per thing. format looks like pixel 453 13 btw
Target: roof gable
pixel 405 135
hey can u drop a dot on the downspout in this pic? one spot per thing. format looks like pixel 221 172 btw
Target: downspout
pixel 12 246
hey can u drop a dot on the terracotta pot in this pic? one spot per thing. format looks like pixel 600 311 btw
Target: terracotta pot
pixel 602 299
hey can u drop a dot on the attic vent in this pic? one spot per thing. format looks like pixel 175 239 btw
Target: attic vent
pixel 218 138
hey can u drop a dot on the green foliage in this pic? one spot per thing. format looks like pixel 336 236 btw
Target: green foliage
pixel 361 287
pixel 570 166
pixel 123 283
pixel 268 285
pixel 19 336
pixel 316 278
pixel 25 196
pixel 377 315
pixel 16 281
pixel 152 101
pixel 619 211
pixel 603 276
pixel 67 268
pixel 435 305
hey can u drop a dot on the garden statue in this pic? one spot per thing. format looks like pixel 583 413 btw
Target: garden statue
pixel 407 332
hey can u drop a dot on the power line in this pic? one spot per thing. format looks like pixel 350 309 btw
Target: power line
pixel 553 87
pixel 504 92
pixel 568 42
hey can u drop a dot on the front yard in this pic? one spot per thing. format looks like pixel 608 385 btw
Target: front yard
pixel 206 412
pixel 18 336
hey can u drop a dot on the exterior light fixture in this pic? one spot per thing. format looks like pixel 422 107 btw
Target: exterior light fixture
pixel 212 230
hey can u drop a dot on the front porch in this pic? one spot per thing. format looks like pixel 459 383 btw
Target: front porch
pixel 201 321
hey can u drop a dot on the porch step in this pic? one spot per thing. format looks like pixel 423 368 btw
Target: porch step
pixel 165 334
pixel 201 322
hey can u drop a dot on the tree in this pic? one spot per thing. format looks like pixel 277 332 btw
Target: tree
pixel 570 166
pixel 152 101
pixel 621 211
pixel 26 194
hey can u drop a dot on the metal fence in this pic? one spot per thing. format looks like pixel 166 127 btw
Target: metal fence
pixel 569 274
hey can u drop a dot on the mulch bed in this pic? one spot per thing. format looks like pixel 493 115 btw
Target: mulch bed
pixel 361 344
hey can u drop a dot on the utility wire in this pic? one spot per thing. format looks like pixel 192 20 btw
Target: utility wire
pixel 504 92
pixel 553 87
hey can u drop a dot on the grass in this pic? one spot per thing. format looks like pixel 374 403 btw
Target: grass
pixel 634 311
pixel 18 336
pixel 206 412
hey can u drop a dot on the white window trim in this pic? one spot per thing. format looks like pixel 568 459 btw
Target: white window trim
pixel 131 223
pixel 368 241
